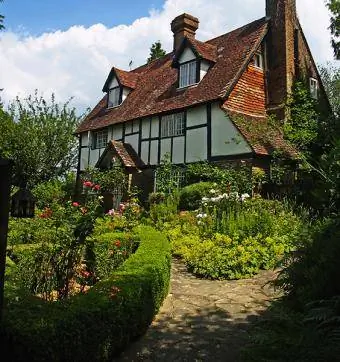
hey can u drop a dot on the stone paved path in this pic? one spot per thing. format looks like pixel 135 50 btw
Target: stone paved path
pixel 203 320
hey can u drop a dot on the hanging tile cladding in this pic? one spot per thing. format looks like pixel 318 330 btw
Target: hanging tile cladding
pixel 248 95
pixel 156 89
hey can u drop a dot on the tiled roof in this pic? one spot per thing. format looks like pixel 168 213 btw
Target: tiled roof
pixel 127 79
pixel 125 152
pixel 205 50
pixel 155 90
pixel 263 136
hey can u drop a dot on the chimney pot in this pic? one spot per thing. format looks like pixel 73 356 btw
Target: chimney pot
pixel 182 26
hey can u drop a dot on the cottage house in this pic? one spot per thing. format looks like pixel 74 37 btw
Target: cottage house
pixel 204 100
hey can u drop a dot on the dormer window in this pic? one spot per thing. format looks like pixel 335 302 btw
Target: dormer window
pixel 114 97
pixel 313 88
pixel 188 74
pixel 258 61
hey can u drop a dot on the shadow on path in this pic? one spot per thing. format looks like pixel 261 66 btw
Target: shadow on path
pixel 203 320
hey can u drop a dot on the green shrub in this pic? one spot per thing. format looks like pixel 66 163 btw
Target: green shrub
pixel 109 251
pixel 56 190
pixel 314 272
pixel 235 239
pixel 191 195
pixel 223 257
pixel 96 325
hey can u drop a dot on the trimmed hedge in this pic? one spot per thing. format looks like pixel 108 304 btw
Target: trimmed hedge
pixel 97 325
pixel 191 195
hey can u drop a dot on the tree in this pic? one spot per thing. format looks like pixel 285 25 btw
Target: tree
pixel 2 20
pixel 330 76
pixel 38 136
pixel 334 8
pixel 156 51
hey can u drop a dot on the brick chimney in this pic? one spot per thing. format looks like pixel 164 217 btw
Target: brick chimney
pixel 182 26
pixel 280 53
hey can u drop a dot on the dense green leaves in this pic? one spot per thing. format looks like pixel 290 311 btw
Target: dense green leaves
pixel 334 8
pixel 156 51
pixel 38 135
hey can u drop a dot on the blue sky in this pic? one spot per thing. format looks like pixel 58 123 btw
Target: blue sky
pixel 39 16
pixel 68 47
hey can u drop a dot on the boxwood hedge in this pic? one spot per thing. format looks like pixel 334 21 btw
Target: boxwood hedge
pixel 97 325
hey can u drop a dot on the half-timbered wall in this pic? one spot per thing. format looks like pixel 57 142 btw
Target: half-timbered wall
pixel 208 133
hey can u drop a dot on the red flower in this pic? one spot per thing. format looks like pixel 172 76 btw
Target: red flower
pixel 75 204
pixel 87 183
pixel 117 243
pixel 96 187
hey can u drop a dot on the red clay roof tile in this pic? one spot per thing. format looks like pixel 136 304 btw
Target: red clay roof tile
pixel 155 89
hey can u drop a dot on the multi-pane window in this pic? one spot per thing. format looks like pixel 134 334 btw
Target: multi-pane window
pixel 172 125
pixel 100 139
pixel 114 97
pixel 174 180
pixel 187 74
pixel 132 127
pixel 258 60
pixel 313 87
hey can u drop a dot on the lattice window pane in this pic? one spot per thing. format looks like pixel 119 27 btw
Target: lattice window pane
pixel 100 138
pixel 172 125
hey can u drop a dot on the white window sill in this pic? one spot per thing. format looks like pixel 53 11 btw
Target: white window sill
pixel 188 86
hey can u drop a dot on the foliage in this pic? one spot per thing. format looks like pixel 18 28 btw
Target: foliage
pixel 2 26
pixel 51 266
pixel 191 195
pixel 164 212
pixel 313 272
pixel 231 178
pixel 54 191
pixel 330 75
pixel 38 135
pixel 156 51
pixel 301 127
pixel 95 325
pixel 334 8
pixel 167 176
pixel 109 180
pixel 235 239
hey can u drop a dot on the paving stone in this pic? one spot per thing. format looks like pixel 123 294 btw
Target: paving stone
pixel 203 320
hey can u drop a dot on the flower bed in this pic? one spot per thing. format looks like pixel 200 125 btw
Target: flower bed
pixel 95 325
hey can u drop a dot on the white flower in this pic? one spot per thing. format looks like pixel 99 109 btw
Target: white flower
pixel 205 199
pixel 199 222
pixel 234 195
pixel 225 196
pixel 212 191
pixel 244 196
pixel 100 198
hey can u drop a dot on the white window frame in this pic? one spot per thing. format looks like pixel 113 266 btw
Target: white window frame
pixel 188 74
pixel 258 61
pixel 314 88
pixel 113 97
pixel 100 138
pixel 172 125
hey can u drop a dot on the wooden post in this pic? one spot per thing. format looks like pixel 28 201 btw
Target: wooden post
pixel 5 187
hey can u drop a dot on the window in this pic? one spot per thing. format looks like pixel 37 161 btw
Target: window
pixel 313 87
pixel 258 60
pixel 132 127
pixel 187 74
pixel 114 97
pixel 172 125
pixel 174 180
pixel 100 139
